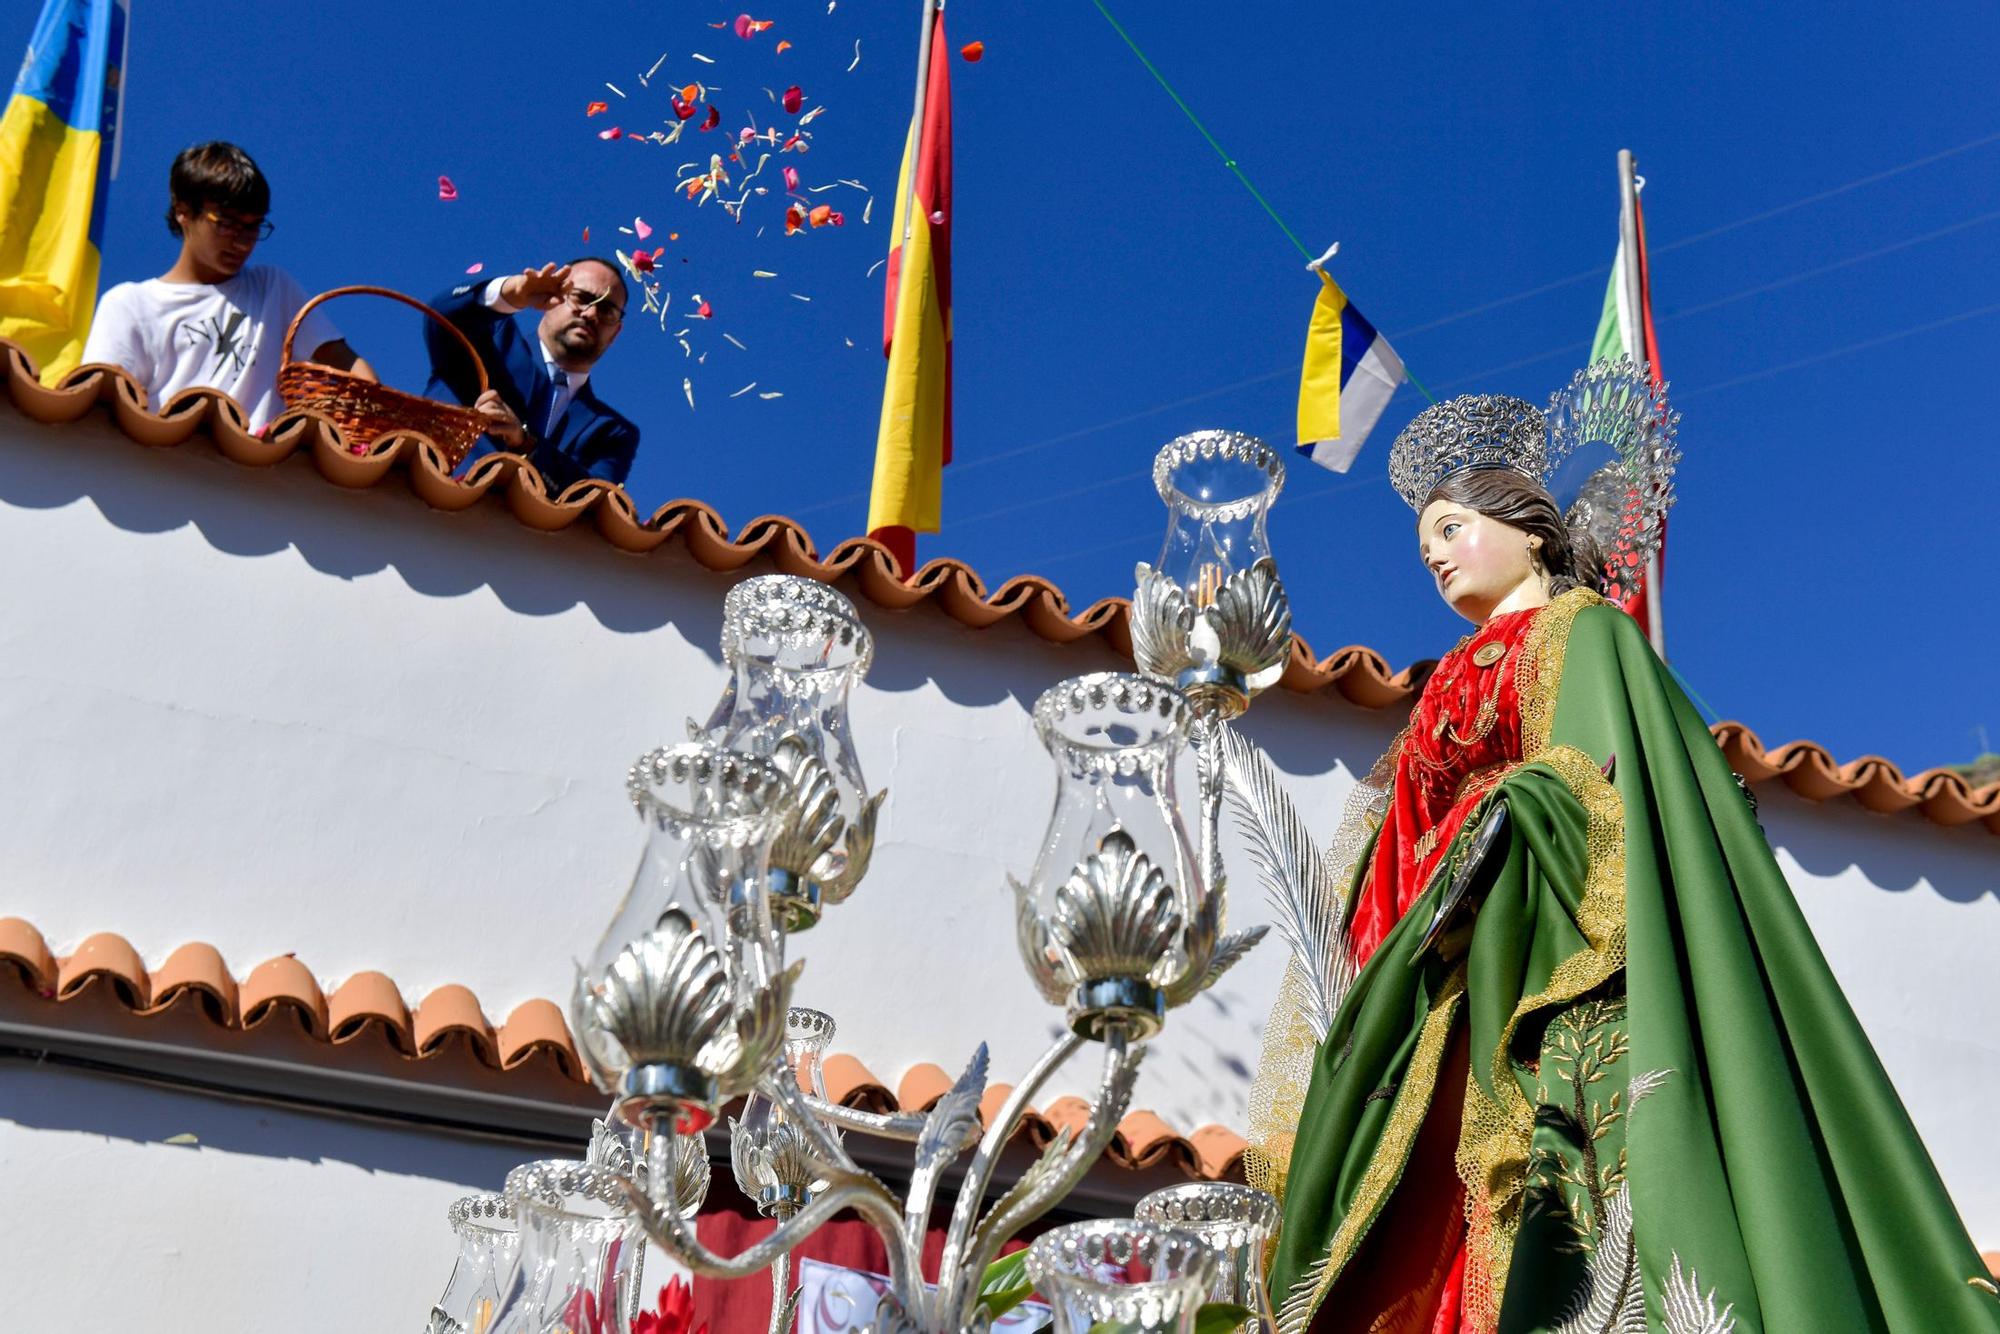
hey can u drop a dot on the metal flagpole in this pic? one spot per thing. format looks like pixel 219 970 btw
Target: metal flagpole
pixel 931 9
pixel 1628 245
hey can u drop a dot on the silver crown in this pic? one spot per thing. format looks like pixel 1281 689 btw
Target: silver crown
pixel 1472 431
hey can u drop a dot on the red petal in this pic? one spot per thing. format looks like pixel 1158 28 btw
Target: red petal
pixel 613 133
pixel 704 311
pixel 972 51
pixel 743 28
pixel 837 218
pixel 683 108
pixel 712 119
pixel 821 215
pixel 597 108
pixel 784 47
pixel 793 99
pixel 446 190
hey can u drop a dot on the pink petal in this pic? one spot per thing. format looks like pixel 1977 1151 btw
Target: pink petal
pixel 793 99
pixel 475 268
pixel 791 178
pixel 743 28
pixel 446 190
pixel 640 226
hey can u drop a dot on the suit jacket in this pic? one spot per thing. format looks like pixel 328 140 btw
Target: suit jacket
pixel 589 439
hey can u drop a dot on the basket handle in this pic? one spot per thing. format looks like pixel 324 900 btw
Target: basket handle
pixel 291 332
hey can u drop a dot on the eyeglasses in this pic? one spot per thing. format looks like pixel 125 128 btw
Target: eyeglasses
pixel 261 228
pixel 583 303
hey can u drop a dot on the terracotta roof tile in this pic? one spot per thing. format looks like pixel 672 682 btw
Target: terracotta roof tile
pixel 1357 674
pixel 450 1025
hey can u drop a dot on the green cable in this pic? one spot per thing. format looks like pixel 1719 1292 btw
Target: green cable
pixel 1195 120
pixel 1227 160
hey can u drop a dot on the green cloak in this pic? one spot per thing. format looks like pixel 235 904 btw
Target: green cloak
pixel 1672 1120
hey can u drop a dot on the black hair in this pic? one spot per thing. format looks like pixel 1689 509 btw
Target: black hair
pixel 624 292
pixel 219 175
pixel 1569 556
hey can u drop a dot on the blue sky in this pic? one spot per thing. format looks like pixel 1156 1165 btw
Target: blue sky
pixel 1822 206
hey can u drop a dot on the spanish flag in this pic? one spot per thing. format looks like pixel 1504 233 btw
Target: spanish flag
pixel 914 442
pixel 58 151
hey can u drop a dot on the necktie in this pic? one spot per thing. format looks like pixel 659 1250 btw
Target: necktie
pixel 545 402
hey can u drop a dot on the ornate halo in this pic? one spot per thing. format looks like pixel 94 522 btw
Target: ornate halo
pixel 1613 404
pixel 1471 431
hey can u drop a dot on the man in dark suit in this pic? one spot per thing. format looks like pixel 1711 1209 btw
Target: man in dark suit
pixel 540 405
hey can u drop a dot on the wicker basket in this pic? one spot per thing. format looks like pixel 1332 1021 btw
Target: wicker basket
pixel 366 411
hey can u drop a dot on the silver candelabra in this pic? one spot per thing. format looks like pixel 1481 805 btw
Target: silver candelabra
pixel 760 822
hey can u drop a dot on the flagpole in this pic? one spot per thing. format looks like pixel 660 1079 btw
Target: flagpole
pixel 931 10
pixel 1628 237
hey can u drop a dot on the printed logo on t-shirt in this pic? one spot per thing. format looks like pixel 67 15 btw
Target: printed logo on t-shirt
pixel 224 335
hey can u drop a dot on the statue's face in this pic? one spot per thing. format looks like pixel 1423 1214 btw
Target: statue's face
pixel 1477 561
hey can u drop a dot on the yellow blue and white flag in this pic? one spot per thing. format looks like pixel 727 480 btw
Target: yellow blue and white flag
pixel 1350 374
pixel 58 152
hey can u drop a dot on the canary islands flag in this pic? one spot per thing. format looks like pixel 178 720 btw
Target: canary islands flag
pixel 1350 374
pixel 58 151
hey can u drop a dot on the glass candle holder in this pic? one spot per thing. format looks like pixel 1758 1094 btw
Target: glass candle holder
pixel 1238 1223
pixel 1218 487
pixel 489 1245
pixel 580 1253
pixel 693 939
pixel 1141 1278
pixel 1101 912
pixel 767 1152
pixel 795 649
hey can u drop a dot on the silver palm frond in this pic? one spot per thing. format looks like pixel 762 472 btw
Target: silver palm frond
pixel 952 1124
pixel 859 843
pixel 1037 951
pixel 775 1154
pixel 663 1000
pixel 1610 1298
pixel 1115 916
pixel 1252 621
pixel 811 824
pixel 1297 881
pixel 440 1323
pixel 1686 1309
pixel 692 1174
pixel 738 1056
pixel 1162 624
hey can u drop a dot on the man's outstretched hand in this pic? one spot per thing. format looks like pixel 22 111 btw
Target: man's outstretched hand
pixel 501 423
pixel 536 289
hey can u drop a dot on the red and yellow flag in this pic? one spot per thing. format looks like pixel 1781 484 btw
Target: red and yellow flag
pixel 914 442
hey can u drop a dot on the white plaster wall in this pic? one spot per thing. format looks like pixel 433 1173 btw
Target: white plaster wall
pixel 248 707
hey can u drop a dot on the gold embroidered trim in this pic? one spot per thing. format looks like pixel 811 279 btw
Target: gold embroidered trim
pixel 1495 1137
pixel 1385 1165
pixel 1538 673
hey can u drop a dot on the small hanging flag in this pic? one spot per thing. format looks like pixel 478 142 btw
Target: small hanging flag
pixel 1349 376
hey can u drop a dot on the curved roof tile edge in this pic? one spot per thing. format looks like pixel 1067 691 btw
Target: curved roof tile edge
pixel 1356 673
pixel 368 1007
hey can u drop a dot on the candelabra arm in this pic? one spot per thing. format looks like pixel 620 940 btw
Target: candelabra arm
pixel 972 1191
pixel 675 1235
pixel 882 1125
pixel 1211 787
pixel 784 1297
pixel 801 1112
pixel 1052 1177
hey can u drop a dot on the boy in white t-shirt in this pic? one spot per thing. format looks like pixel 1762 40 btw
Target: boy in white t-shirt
pixel 208 320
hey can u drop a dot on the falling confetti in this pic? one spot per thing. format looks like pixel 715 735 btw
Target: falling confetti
pixel 973 52
pixel 770 395
pixel 732 338
pixel 586 236
pixel 183 1138
pixel 873 267
pixel 613 133
pixel 857 56
pixel 867 208
pixel 784 47
pixel 446 190
pixel 762 273
pixel 706 60
pixel 655 70
pixel 796 297
pixel 744 390
pixel 475 267
pixel 597 108
pixel 616 89
pixel 687 387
